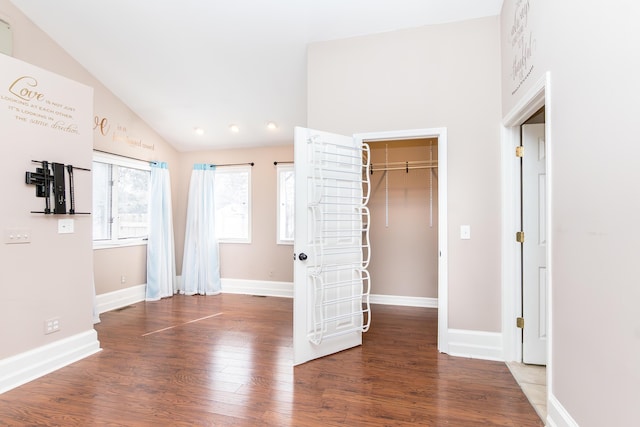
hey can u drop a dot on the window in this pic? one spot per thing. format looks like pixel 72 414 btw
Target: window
pixel 286 191
pixel 120 200
pixel 232 193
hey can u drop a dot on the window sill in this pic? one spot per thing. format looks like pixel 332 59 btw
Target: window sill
pixel 114 245
pixel 234 241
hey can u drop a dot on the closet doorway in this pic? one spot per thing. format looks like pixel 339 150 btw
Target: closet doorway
pixel 401 248
pixel 404 221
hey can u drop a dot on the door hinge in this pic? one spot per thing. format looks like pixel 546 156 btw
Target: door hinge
pixel 520 151
pixel 520 236
pixel 520 322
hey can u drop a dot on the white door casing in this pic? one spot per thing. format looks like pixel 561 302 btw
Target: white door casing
pixel 534 268
pixel 443 245
pixel 331 284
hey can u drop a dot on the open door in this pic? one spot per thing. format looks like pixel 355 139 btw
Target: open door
pixel 331 284
pixel 534 225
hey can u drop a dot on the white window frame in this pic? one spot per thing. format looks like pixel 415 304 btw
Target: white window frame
pixel 113 159
pixel 232 170
pixel 281 169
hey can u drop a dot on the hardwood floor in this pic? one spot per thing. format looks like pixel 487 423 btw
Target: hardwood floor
pixel 226 361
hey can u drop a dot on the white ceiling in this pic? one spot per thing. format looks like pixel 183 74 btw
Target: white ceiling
pixel 211 63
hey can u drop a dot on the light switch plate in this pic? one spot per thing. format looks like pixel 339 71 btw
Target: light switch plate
pixel 17 235
pixel 465 232
pixel 65 226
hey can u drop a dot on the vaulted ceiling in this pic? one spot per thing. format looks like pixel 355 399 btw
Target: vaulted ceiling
pixel 208 64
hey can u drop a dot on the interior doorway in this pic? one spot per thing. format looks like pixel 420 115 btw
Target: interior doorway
pixel 531 102
pixel 404 221
pixel 439 135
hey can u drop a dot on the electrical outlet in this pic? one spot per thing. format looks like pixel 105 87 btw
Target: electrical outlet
pixel 51 325
pixel 123 279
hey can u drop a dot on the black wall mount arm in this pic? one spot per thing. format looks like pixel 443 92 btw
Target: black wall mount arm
pixel 49 179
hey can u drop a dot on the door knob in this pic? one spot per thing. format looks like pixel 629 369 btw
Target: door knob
pixel 302 256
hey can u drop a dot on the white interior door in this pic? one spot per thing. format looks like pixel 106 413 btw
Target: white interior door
pixel 534 268
pixel 331 284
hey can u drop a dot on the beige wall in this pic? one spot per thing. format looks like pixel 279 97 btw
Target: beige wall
pixel 404 243
pixel 111 265
pixel 50 276
pixel 263 259
pixel 589 48
pixel 435 76
pixel 122 132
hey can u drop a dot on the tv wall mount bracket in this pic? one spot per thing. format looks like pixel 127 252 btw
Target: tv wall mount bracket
pixel 49 180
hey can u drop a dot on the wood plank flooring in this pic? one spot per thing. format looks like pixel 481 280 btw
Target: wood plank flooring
pixel 226 361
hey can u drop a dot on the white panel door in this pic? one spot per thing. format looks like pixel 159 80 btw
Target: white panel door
pixel 534 268
pixel 331 284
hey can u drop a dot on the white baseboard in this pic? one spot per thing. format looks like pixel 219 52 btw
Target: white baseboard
pixel 257 287
pixel 557 416
pixel 475 344
pixel 285 289
pixel 22 368
pixel 120 298
pixel 404 301
pixel 123 297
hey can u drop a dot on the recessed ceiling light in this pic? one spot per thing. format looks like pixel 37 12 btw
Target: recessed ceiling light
pixel 199 131
pixel 272 125
pixel 234 128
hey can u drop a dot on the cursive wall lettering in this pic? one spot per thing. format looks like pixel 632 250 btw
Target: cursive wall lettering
pixel 24 88
pixel 102 124
pixel 522 45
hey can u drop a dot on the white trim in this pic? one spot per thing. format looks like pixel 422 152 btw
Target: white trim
pixel 443 260
pixel 134 294
pixel 539 95
pixel 443 242
pixel 404 301
pixel 530 103
pixel 280 170
pixel 557 415
pixel 475 344
pixel 120 298
pixel 257 287
pixel 123 243
pixel 30 365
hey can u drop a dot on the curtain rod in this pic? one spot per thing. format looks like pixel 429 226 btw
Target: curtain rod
pixel 154 161
pixel 126 157
pixel 235 164
pixel 287 162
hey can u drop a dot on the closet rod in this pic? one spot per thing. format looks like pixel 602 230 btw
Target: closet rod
pixel 276 163
pixel 412 163
pixel 402 168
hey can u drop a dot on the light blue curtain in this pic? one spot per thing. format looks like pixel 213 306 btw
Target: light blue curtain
pixel 200 264
pixel 161 260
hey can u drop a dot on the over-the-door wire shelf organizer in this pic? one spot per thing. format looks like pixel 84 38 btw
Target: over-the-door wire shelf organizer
pixel 339 239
